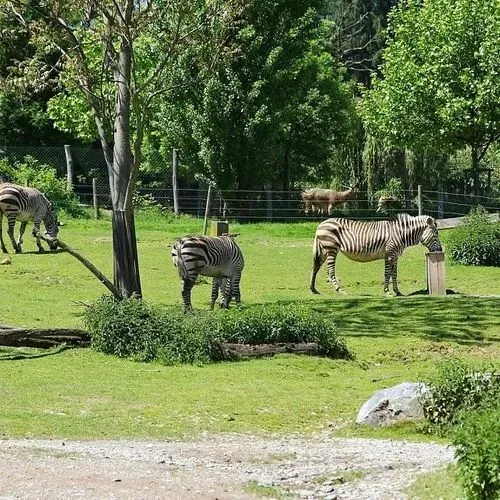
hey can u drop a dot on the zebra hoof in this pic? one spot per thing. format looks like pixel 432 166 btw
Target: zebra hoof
pixel 41 250
pixel 19 250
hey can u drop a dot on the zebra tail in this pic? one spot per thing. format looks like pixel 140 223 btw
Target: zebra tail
pixel 181 266
pixel 317 254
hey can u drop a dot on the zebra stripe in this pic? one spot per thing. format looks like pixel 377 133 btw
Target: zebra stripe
pixel 218 257
pixel 25 204
pixel 365 241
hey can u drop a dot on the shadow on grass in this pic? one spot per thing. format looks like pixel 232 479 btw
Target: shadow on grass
pixel 17 353
pixel 465 320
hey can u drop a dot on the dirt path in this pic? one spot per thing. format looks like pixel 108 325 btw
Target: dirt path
pixel 215 466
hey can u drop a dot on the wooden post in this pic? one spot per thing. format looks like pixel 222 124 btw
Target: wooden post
pixel 419 199
pixel 219 227
pixel 94 198
pixel 207 209
pixel 436 276
pixel 175 164
pixel 69 167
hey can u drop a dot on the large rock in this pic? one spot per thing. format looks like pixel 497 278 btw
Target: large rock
pixel 395 404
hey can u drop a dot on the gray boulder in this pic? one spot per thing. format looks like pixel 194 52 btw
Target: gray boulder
pixel 395 404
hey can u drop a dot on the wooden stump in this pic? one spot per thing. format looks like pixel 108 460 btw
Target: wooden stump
pixel 436 276
pixel 219 227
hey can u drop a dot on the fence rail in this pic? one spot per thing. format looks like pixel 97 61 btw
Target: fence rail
pixel 288 207
pixel 86 172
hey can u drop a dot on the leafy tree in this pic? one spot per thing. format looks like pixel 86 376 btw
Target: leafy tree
pixel 113 56
pixel 269 111
pixel 439 88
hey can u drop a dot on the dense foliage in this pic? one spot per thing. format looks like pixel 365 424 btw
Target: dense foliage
pixel 132 328
pixel 477 446
pixel 439 89
pixel 459 390
pixel 477 242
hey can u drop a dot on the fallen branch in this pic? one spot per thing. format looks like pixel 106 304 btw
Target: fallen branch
pixel 42 337
pixel 100 276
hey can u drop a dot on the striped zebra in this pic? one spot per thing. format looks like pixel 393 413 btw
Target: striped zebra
pixel 365 241
pixel 219 257
pixel 25 204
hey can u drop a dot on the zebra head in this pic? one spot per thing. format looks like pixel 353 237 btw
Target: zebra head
pixel 430 237
pixel 51 225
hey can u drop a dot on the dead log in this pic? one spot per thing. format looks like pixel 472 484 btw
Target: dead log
pixel 43 338
pixel 231 350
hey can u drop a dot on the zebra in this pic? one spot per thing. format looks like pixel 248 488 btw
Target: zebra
pixel 24 204
pixel 365 241
pixel 219 257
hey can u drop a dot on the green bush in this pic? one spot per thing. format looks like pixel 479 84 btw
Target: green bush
pixel 477 443
pixel 477 242
pixel 133 329
pixel 30 172
pixel 458 389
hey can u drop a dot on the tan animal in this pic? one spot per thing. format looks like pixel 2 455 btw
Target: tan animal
pixel 322 201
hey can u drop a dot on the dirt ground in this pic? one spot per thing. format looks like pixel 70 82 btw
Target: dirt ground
pixel 215 467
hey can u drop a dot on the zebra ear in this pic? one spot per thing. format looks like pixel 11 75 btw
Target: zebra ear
pixel 431 221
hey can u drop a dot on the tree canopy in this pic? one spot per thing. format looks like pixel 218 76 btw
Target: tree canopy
pixel 439 87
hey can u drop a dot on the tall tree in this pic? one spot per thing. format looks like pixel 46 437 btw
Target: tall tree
pixel 439 88
pixel 105 52
pixel 269 111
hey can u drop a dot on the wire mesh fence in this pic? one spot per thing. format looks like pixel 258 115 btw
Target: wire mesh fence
pixel 90 180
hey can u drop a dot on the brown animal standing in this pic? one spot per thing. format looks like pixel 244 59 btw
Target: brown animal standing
pixel 322 201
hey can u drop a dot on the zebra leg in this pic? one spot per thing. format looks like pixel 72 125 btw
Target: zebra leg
pixel 10 231
pixel 4 248
pixel 318 259
pixel 187 285
pixel 22 228
pixel 330 265
pixel 394 275
pixel 235 289
pixel 36 234
pixel 387 274
pixel 226 289
pixel 216 282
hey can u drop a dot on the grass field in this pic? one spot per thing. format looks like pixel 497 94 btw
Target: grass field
pixel 80 393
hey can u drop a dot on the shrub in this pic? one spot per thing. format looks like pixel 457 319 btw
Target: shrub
pixel 477 446
pixel 477 242
pixel 271 323
pixel 133 329
pixel 30 172
pixel 459 389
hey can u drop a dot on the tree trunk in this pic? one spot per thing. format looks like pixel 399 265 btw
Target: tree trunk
pixel 126 262
pixel 125 256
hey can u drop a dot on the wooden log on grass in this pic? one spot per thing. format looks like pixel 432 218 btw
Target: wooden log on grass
pixel 43 338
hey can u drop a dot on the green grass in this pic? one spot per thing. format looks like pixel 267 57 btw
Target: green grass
pixel 80 393
pixel 441 484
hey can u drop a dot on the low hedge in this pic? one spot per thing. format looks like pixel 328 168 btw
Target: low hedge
pixel 134 329
pixel 477 242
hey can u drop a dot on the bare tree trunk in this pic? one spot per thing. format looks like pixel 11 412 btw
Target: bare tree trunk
pixel 125 256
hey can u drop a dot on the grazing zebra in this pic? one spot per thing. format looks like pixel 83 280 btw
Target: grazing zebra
pixel 365 241
pixel 219 257
pixel 24 204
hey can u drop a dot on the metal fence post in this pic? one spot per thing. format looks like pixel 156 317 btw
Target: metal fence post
pixel 69 167
pixel 207 209
pixel 175 164
pixel 94 198
pixel 440 204
pixel 419 199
